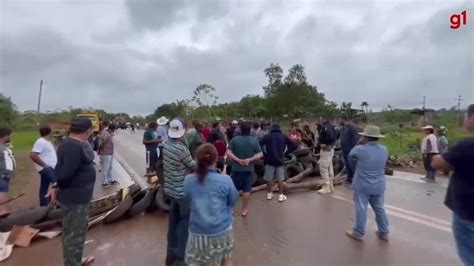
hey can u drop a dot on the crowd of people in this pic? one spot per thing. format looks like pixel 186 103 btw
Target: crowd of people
pixel 205 166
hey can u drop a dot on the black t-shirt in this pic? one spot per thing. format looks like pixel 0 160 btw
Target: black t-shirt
pixel 460 194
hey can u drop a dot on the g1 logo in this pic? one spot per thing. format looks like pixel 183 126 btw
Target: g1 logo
pixel 458 19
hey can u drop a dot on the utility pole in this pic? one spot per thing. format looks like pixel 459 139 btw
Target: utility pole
pixel 424 102
pixel 39 99
pixel 459 99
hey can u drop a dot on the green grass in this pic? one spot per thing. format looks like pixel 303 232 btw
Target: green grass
pixel 23 140
pixel 404 144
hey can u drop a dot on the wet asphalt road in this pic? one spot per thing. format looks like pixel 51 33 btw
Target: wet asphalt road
pixel 308 229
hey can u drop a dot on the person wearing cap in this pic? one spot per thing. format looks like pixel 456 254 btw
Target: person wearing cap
pixel 429 148
pixel 460 193
pixel 177 162
pixel 243 151
pixel 7 168
pixel 150 140
pixel 275 144
pixel 369 159
pixel 162 130
pixel 106 154
pixel 75 174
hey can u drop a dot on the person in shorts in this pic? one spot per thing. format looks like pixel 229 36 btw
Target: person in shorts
pixel 274 145
pixel 243 150
pixel 7 168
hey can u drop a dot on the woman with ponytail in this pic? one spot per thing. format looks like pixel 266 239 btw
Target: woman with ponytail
pixel 212 196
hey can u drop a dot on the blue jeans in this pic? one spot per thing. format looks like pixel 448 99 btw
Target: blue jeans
pixel 47 177
pixel 361 201
pixel 178 230
pixel 463 231
pixel 349 170
pixel 106 161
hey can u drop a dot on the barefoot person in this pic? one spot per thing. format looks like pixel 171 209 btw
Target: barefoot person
pixel 7 168
pixel 244 150
pixel 460 193
pixel 212 196
pixel 274 144
pixel 370 159
pixel 44 156
pixel 75 175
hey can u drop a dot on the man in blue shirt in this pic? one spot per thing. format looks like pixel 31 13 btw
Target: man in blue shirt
pixel 349 138
pixel 369 159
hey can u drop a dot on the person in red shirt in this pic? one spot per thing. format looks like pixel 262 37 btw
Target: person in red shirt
pixel 221 148
pixel 206 131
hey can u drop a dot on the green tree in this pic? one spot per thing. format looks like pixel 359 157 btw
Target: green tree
pixel 8 113
pixel 205 97
pixel 274 73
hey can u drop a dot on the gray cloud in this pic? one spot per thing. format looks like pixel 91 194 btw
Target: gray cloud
pixel 159 51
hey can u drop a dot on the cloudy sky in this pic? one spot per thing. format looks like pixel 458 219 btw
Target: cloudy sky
pixel 133 55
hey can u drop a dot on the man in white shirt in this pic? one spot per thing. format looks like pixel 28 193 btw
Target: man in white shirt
pixel 44 156
pixel 429 148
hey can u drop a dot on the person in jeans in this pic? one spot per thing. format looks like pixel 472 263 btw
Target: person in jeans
pixel 244 150
pixel 150 140
pixel 369 159
pixel 177 162
pixel 429 148
pixel 274 144
pixel 460 193
pixel 7 168
pixel 106 153
pixel 211 196
pixel 327 138
pixel 349 139
pixel 75 174
pixel 44 156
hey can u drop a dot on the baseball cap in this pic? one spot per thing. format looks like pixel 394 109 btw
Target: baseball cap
pixel 81 123
pixel 177 128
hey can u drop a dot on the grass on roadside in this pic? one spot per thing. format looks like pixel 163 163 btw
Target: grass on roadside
pixel 23 140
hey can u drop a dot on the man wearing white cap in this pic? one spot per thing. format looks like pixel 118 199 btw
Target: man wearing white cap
pixel 429 148
pixel 177 162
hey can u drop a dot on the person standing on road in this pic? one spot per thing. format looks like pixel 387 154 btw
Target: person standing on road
pixel 349 139
pixel 221 147
pixel 274 144
pixel 132 127
pixel 231 129
pixel 460 193
pixel 75 174
pixel 196 139
pixel 162 130
pixel 369 159
pixel 443 143
pixel 429 148
pixel 106 153
pixel 244 150
pixel 44 156
pixel 7 168
pixel 327 138
pixel 212 196
pixel 151 141
pixel 177 162
pixel 263 130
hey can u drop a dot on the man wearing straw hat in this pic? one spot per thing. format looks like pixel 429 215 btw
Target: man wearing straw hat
pixel 429 148
pixel 369 159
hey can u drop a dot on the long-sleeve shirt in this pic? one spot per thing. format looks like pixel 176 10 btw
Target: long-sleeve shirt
pixel 369 162
pixel 349 138
pixel 211 203
pixel 75 173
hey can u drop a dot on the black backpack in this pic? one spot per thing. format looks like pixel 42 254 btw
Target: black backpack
pixel 330 134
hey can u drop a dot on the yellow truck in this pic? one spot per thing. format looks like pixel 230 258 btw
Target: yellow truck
pixel 94 117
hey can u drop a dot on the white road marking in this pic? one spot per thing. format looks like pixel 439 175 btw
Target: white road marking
pixel 408 215
pixel 415 178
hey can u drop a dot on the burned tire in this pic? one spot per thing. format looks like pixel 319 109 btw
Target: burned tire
pixel 388 171
pixel 25 217
pixel 162 200
pixel 305 159
pixel 119 211
pixel 134 189
pixel 54 214
pixel 293 169
pixel 140 202
pixel 153 206
pixel 302 152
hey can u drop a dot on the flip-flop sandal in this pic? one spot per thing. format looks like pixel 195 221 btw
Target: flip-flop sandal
pixel 87 260
pixel 245 213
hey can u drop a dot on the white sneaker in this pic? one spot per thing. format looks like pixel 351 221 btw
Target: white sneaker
pixel 269 195
pixel 282 198
pixel 324 190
